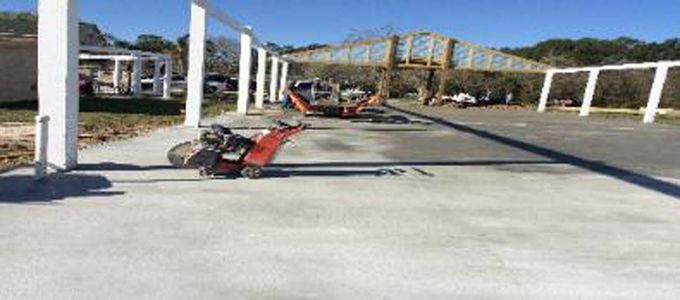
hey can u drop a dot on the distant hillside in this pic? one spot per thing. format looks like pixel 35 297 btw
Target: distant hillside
pixel 589 51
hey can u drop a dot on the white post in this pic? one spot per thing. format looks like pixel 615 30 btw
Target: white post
pixel 590 92
pixel 116 76
pixel 656 93
pixel 58 47
pixel 195 78
pixel 273 85
pixel 244 72
pixel 157 76
pixel 137 75
pixel 284 79
pixel 41 142
pixel 547 84
pixel 261 77
pixel 167 79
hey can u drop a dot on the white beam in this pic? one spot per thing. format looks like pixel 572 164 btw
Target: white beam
pixel 656 93
pixel 167 79
pixel 273 84
pixel 244 67
pixel 157 77
pixel 589 93
pixel 261 77
pixel 117 72
pixel 197 33
pixel 88 56
pixel 284 79
pixel 137 76
pixel 646 65
pixel 58 43
pixel 547 84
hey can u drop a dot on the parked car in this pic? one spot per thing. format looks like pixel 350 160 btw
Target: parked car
pixel 85 85
pixel 215 83
pixel 179 85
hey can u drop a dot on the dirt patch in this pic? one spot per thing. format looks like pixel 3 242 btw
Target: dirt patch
pixel 118 121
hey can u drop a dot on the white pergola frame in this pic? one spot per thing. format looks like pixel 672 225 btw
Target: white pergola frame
pixel 58 58
pixel 200 11
pixel 594 72
pixel 119 55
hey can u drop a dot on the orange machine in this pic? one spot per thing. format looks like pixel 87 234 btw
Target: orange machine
pixel 341 111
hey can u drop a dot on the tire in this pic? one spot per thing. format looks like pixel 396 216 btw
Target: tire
pixel 252 172
pixel 178 153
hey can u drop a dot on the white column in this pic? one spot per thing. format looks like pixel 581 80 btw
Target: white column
pixel 261 77
pixel 590 92
pixel 116 75
pixel 547 84
pixel 656 93
pixel 167 79
pixel 244 72
pixel 284 79
pixel 157 76
pixel 58 47
pixel 274 83
pixel 195 78
pixel 137 75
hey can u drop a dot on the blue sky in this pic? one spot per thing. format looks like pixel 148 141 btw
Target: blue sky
pixel 495 23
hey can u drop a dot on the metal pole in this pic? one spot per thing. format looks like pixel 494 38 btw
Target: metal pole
pixel 41 144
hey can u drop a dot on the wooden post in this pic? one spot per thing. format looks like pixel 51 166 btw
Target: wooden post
pixel 447 66
pixel 390 57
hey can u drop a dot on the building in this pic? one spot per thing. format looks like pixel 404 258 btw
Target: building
pixel 19 54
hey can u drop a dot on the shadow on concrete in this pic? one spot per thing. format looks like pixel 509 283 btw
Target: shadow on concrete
pixel 312 128
pixel 631 177
pixel 414 163
pixel 387 119
pixel 282 173
pixel 24 189
pixel 110 166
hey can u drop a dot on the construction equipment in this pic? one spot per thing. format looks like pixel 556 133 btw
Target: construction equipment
pixel 219 151
pixel 338 111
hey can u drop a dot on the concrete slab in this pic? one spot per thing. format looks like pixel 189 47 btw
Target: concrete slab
pixel 358 210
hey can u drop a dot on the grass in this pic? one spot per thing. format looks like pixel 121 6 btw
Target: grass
pixel 101 120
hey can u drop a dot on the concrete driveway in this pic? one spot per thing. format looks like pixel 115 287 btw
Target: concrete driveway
pixel 460 205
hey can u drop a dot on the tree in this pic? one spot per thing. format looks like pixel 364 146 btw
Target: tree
pixel 153 43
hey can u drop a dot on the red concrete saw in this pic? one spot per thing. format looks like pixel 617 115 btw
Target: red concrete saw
pixel 219 151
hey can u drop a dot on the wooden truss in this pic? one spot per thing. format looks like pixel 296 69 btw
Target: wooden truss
pixel 422 49
pixel 418 50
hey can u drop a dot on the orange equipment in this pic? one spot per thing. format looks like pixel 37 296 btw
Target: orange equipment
pixel 342 111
